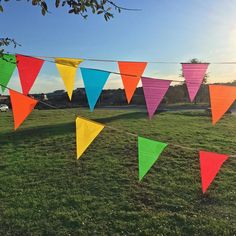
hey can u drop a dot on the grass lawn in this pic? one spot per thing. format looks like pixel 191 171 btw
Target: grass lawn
pixel 44 190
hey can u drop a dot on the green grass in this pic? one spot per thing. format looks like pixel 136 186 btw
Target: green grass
pixel 44 190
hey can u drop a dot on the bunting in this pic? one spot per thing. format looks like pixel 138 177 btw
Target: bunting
pixel 148 153
pixel 210 164
pixel 131 73
pixel 7 67
pixel 67 68
pixel 86 132
pixel 154 91
pixel 94 81
pixel 22 106
pixel 221 97
pixel 28 68
pixel 194 75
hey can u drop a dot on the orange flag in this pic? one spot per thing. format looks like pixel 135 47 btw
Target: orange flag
pixel 135 69
pixel 22 106
pixel 222 97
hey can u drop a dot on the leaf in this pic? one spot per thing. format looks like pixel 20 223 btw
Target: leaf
pixel 44 6
pixel 43 11
pixel 82 8
pixel 57 3
pixel 93 9
pixel 1 8
pixel 34 2
pixel 1 52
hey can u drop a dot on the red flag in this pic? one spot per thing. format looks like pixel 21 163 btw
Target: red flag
pixel 222 97
pixel 131 73
pixel 22 106
pixel 210 164
pixel 28 68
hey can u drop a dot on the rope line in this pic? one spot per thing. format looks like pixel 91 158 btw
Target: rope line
pixel 112 60
pixel 107 126
pixel 113 72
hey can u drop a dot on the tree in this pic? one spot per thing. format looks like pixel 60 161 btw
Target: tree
pixel 78 7
pixel 4 42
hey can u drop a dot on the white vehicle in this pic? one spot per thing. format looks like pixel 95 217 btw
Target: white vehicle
pixel 4 108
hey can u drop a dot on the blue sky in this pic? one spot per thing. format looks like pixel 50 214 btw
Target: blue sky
pixel 165 30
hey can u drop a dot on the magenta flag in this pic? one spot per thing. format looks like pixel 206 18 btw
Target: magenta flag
pixel 194 75
pixel 154 91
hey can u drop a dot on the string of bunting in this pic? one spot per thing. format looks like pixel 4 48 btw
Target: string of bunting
pixel 131 73
pixel 47 58
pixel 148 150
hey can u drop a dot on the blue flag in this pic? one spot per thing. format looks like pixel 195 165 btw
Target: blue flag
pixel 94 81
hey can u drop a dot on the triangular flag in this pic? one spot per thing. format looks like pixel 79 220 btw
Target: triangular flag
pixel 28 68
pixel 194 75
pixel 86 132
pixel 131 73
pixel 7 67
pixel 154 91
pixel 148 153
pixel 67 68
pixel 210 164
pixel 222 97
pixel 94 81
pixel 22 106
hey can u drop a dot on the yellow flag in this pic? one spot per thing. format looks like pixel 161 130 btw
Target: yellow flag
pixel 67 68
pixel 86 132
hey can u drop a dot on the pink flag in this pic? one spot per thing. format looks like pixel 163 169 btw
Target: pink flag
pixel 194 75
pixel 154 91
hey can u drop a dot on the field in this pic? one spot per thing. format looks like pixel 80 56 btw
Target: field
pixel 44 190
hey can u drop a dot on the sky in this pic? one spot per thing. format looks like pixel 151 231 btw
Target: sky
pixel 164 30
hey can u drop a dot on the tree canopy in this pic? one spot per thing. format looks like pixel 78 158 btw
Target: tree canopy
pixel 78 7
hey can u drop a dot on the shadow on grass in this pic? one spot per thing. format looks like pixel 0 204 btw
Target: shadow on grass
pixel 43 131
pixel 144 115
pixel 127 116
pixel 67 128
pixel 190 113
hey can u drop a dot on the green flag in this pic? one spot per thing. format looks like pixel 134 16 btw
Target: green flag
pixel 148 153
pixel 7 67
